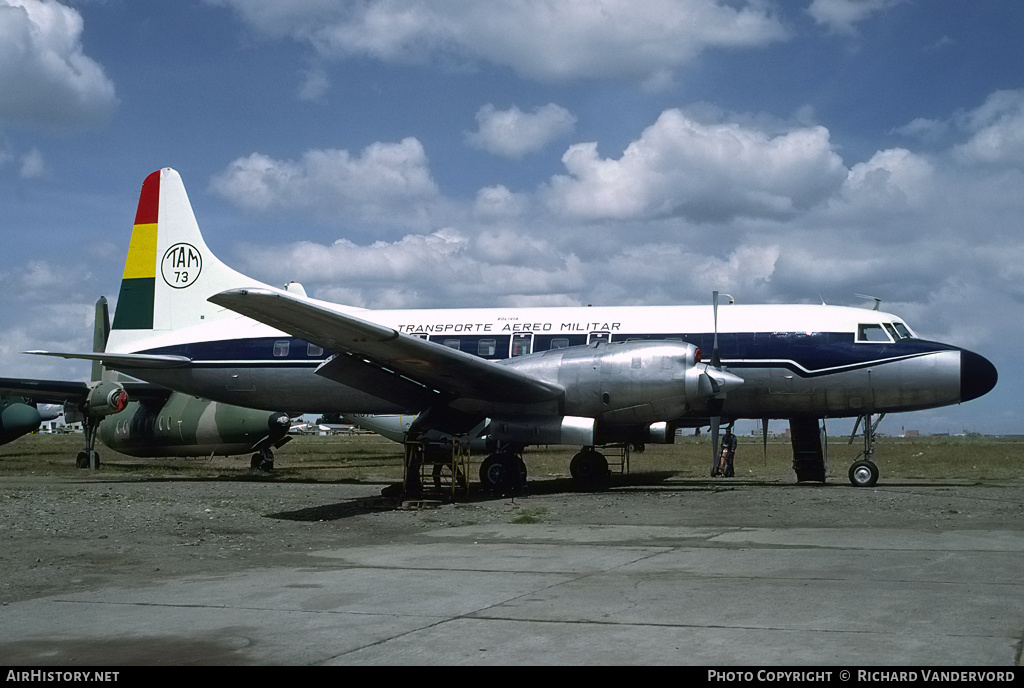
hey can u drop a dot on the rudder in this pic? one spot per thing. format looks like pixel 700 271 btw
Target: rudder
pixel 169 272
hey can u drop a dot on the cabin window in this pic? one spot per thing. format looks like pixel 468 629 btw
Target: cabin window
pixel 451 343
pixel 559 343
pixel 281 347
pixel 313 350
pixel 486 347
pixel 871 332
pixel 522 344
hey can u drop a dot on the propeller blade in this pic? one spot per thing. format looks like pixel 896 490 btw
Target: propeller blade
pixel 764 438
pixel 716 421
pixel 715 360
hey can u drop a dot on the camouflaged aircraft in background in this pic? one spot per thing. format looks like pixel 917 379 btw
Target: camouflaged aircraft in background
pixel 141 419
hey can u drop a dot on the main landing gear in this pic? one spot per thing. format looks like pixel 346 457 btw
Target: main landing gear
pixel 504 471
pixel 89 457
pixel 589 468
pixel 262 460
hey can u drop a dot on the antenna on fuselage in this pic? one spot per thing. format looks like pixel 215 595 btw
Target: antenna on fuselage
pixel 878 301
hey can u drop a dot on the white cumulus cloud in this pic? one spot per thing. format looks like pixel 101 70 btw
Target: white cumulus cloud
pixel 537 39
pixel 498 201
pixel 703 172
pixel 513 133
pixel 45 79
pixel 32 165
pixel 840 16
pixel 890 180
pixel 996 130
pixel 385 181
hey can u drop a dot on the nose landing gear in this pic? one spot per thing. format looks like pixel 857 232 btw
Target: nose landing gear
pixel 864 472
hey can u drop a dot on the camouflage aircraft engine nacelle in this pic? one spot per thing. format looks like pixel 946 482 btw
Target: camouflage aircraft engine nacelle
pixel 185 426
pixel 16 419
pixel 105 398
pixel 633 384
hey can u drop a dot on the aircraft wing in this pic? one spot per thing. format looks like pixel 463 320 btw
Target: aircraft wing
pixel 430 364
pixel 69 391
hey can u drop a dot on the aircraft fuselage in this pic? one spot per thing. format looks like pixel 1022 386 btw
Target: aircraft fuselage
pixel 795 360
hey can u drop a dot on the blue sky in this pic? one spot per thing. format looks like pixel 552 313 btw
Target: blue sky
pixel 406 153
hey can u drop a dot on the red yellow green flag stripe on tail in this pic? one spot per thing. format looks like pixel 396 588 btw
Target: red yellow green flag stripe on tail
pixel 135 301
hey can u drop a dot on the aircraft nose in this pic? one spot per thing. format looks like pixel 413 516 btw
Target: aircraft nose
pixel 279 422
pixel 977 375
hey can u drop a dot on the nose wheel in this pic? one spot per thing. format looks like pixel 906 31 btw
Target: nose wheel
pixel 863 474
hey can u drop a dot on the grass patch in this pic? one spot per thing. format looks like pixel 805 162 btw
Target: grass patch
pixel 530 515
pixel 373 459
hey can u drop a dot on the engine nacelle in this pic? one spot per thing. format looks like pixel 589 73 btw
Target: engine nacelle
pixel 661 433
pixel 105 398
pixel 17 419
pixel 544 430
pixel 629 384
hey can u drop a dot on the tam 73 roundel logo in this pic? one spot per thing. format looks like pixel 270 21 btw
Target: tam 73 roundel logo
pixel 181 265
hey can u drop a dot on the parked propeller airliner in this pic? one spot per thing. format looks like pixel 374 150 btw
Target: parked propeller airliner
pixel 577 375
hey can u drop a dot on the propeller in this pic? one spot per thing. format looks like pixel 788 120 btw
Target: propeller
pixel 714 382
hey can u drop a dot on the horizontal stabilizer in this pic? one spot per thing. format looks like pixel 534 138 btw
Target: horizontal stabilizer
pixel 121 361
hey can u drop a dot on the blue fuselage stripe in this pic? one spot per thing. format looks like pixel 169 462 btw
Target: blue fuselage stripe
pixel 804 354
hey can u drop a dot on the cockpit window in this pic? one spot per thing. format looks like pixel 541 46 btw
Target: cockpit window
pixel 892 332
pixel 903 330
pixel 871 332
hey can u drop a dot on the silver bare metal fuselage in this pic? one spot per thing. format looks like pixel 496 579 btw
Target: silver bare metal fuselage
pixel 778 381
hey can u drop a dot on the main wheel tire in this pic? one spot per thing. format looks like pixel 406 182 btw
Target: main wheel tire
pixel 267 461
pixel 496 472
pixel 589 469
pixel 863 474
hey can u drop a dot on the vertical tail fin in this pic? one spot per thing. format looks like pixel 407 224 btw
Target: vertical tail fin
pixel 100 334
pixel 169 272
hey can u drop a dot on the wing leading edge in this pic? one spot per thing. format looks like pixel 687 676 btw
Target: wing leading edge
pixel 72 392
pixel 432 365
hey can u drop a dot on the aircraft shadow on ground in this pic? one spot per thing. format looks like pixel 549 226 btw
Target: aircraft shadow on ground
pixel 392 497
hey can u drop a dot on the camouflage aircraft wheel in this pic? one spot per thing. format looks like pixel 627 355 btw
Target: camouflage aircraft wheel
pixel 262 461
pixel 85 459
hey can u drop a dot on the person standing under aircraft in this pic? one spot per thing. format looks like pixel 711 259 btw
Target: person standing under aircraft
pixel 725 462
